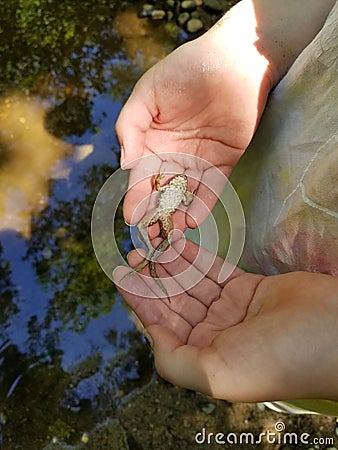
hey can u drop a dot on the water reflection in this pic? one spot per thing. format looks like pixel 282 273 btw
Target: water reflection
pixel 68 351
pixel 145 42
pixel 28 152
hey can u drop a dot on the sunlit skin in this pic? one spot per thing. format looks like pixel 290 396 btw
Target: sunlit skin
pixel 255 337
pixel 251 338
pixel 211 106
pixel 185 114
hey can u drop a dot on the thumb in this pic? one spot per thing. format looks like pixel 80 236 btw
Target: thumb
pixel 175 361
pixel 131 127
pixel 162 339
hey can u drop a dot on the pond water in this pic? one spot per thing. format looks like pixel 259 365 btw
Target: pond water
pixel 69 351
pixel 75 371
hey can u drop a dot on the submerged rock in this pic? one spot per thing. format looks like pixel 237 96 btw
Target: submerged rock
pixel 193 16
pixel 188 5
pixel 158 14
pixel 214 6
pixel 194 25
pixel 170 4
pixel 146 10
pixel 183 18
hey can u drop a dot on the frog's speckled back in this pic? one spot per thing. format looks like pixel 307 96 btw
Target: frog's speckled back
pixel 173 193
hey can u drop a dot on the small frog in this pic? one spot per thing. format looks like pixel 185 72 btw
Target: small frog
pixel 172 195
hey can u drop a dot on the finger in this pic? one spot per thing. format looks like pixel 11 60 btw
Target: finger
pixel 211 265
pixel 208 185
pixel 149 310
pixel 188 307
pixel 180 364
pixel 229 310
pixel 139 198
pixel 228 369
pixel 185 305
pixel 190 279
pixel 134 121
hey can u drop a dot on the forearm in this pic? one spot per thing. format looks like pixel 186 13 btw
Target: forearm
pixel 269 34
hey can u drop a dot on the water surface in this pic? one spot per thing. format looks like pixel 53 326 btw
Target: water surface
pixel 69 352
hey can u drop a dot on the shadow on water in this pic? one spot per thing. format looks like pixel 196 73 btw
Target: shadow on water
pixel 69 352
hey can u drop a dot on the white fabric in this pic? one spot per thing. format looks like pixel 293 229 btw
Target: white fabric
pixel 289 174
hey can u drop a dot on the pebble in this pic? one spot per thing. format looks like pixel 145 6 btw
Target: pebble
pixel 170 4
pixel 188 5
pixel 158 14
pixel 85 438
pixel 185 13
pixel 195 15
pixel 194 25
pixel 208 408
pixel 213 6
pixel 172 28
pixel 146 10
pixel 183 18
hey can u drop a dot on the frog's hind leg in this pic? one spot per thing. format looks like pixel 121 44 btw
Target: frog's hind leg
pixel 154 275
pixel 148 220
pixel 139 267
pixel 166 226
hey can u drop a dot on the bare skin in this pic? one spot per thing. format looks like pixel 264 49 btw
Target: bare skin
pixel 212 105
pixel 255 337
pixel 172 194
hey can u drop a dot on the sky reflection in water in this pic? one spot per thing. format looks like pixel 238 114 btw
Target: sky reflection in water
pixel 65 335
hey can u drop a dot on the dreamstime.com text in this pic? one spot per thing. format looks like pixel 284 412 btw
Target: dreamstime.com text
pixel 277 436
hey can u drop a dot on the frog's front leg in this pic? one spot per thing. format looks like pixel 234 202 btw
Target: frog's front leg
pixel 188 197
pixel 158 179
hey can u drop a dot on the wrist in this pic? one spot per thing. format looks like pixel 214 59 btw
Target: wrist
pixel 267 36
pixel 236 34
pixel 233 38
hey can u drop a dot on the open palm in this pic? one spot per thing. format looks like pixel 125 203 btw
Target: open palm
pixel 189 104
pixel 250 338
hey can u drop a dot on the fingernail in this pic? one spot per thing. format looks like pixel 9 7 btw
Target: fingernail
pixel 148 339
pixel 113 274
pixel 123 157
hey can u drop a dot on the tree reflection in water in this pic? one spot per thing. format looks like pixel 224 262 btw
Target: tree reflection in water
pixel 68 350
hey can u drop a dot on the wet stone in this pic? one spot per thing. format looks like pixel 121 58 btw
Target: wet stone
pixel 158 14
pixel 208 408
pixel 188 5
pixel 170 15
pixel 214 6
pixel 172 28
pixel 194 25
pixel 170 4
pixel 183 18
pixel 195 15
pixel 146 11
